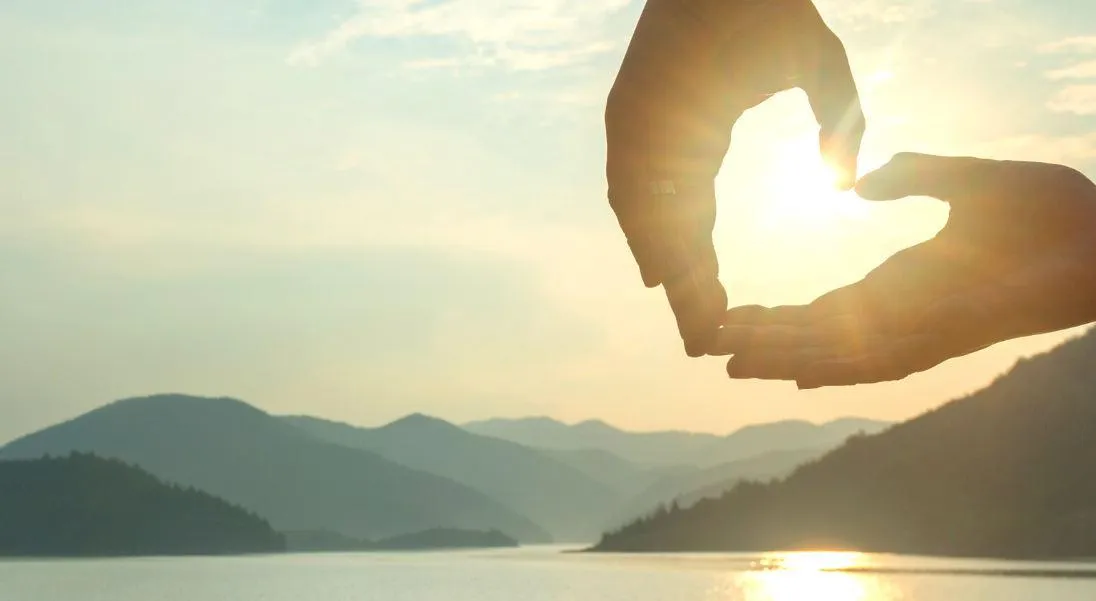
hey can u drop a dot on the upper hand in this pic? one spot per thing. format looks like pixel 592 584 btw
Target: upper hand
pixel 692 68
pixel 1016 258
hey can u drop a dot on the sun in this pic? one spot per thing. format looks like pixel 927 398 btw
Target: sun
pixel 800 190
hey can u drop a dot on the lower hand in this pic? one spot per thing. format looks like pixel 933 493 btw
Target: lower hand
pixel 1016 258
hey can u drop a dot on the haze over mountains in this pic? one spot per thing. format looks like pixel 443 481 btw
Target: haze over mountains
pixel 673 448
pixel 419 473
pixel 1003 472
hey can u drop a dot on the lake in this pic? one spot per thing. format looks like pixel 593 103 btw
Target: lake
pixel 545 574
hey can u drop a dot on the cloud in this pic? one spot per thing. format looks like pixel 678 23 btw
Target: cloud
pixel 863 13
pixel 1086 70
pixel 1078 100
pixel 1082 44
pixel 513 34
pixel 1076 150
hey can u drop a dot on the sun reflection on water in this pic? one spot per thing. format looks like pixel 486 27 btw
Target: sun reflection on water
pixel 808 576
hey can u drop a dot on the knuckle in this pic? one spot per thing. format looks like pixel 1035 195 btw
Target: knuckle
pixel 1072 176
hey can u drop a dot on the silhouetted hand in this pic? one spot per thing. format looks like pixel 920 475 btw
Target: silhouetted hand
pixel 692 68
pixel 1016 258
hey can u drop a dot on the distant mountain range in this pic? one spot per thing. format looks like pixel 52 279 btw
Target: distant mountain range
pixel 247 457
pixel 674 448
pixel 571 504
pixel 640 448
pixel 532 480
pixel 1002 472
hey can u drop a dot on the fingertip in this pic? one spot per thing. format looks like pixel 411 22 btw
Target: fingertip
pixel 744 315
pixel 811 377
pixel 842 158
pixel 844 175
pixel 903 175
pixel 830 373
pixel 877 185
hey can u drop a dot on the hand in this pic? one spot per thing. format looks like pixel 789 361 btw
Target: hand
pixel 691 69
pixel 1016 258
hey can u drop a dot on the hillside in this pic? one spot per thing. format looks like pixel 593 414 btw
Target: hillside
pixel 568 503
pixel 1002 472
pixel 83 505
pixel 249 458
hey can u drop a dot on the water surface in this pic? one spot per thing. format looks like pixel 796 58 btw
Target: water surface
pixel 545 574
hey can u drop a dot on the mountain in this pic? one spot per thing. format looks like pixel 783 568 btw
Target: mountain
pixel 623 476
pixel 686 487
pixel 757 440
pixel 239 453
pixel 1002 472
pixel 672 448
pixel 569 503
pixel 83 505
pixel 647 448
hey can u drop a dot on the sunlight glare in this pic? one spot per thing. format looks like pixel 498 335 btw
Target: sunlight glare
pixel 806 586
pixel 807 576
pixel 801 190
pixel 818 561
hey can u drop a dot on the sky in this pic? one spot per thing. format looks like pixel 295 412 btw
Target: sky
pixel 363 209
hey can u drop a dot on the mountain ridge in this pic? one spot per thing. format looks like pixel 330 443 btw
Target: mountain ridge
pixel 235 451
pixel 670 448
pixel 569 503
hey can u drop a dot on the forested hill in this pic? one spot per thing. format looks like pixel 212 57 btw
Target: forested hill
pixel 1003 472
pixel 84 505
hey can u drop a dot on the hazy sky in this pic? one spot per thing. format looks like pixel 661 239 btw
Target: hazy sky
pixel 363 209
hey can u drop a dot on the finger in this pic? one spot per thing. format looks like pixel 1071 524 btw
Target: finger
pixel 731 340
pixel 784 355
pixel 759 315
pixel 958 325
pixel 744 325
pixel 786 352
pixel 690 268
pixel 838 333
pixel 698 301
pixel 641 217
pixel 878 366
pixel 831 91
pixel 753 326
pixel 961 179
pixel 916 174
pixel 886 360
pixel 766 366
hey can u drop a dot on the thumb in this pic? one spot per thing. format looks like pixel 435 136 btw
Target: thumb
pixel 946 178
